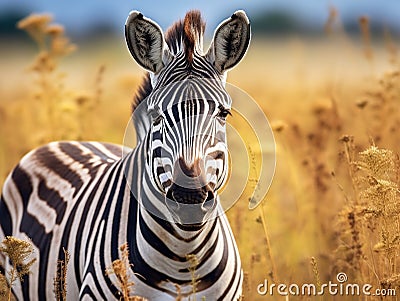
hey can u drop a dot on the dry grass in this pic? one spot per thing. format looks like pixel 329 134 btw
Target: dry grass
pixel 193 263
pixel 334 198
pixel 121 269
pixel 60 280
pixel 19 254
pixel 369 229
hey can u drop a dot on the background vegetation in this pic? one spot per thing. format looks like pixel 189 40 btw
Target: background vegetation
pixel 333 102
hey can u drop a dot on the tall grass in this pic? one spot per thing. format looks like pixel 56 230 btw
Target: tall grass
pixel 369 222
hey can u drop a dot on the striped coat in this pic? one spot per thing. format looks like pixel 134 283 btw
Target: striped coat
pixel 89 197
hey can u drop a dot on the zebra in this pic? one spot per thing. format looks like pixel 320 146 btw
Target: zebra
pixel 160 198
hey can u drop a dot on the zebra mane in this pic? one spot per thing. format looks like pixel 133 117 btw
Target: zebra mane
pixel 186 35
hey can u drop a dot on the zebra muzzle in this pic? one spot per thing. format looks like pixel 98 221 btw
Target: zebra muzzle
pixel 190 199
pixel 190 206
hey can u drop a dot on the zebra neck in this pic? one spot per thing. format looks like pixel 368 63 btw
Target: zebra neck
pixel 169 255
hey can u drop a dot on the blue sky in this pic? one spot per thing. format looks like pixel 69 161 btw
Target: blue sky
pixel 78 14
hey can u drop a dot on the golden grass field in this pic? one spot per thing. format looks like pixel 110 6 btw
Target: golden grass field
pixel 333 103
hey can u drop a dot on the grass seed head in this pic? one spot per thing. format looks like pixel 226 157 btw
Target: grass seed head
pixel 18 251
pixel 377 162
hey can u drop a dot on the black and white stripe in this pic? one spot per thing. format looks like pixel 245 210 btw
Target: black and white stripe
pixel 91 197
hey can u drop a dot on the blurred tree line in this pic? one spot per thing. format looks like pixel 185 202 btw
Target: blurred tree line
pixel 274 22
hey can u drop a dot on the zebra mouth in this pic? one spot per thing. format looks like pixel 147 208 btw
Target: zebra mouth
pixel 186 212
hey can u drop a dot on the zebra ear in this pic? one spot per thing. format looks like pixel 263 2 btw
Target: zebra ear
pixel 146 43
pixel 230 43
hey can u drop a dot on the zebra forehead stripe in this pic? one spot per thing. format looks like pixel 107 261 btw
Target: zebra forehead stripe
pixel 182 38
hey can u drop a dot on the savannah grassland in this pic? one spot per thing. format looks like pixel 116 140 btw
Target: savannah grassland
pixel 333 104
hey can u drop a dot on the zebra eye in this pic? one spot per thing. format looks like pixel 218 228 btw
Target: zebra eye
pixel 155 116
pixel 157 120
pixel 223 113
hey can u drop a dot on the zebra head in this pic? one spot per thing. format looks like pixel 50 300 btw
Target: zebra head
pixel 186 106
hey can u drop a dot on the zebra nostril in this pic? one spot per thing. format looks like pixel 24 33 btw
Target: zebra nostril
pixel 209 202
pixel 170 194
pixel 210 196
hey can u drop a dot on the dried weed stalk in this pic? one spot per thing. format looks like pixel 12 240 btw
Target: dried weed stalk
pixel 121 268
pixel 193 264
pixel 54 102
pixel 19 253
pixel 60 280
pixel 366 36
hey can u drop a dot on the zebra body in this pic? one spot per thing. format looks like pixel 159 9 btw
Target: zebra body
pixel 89 197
